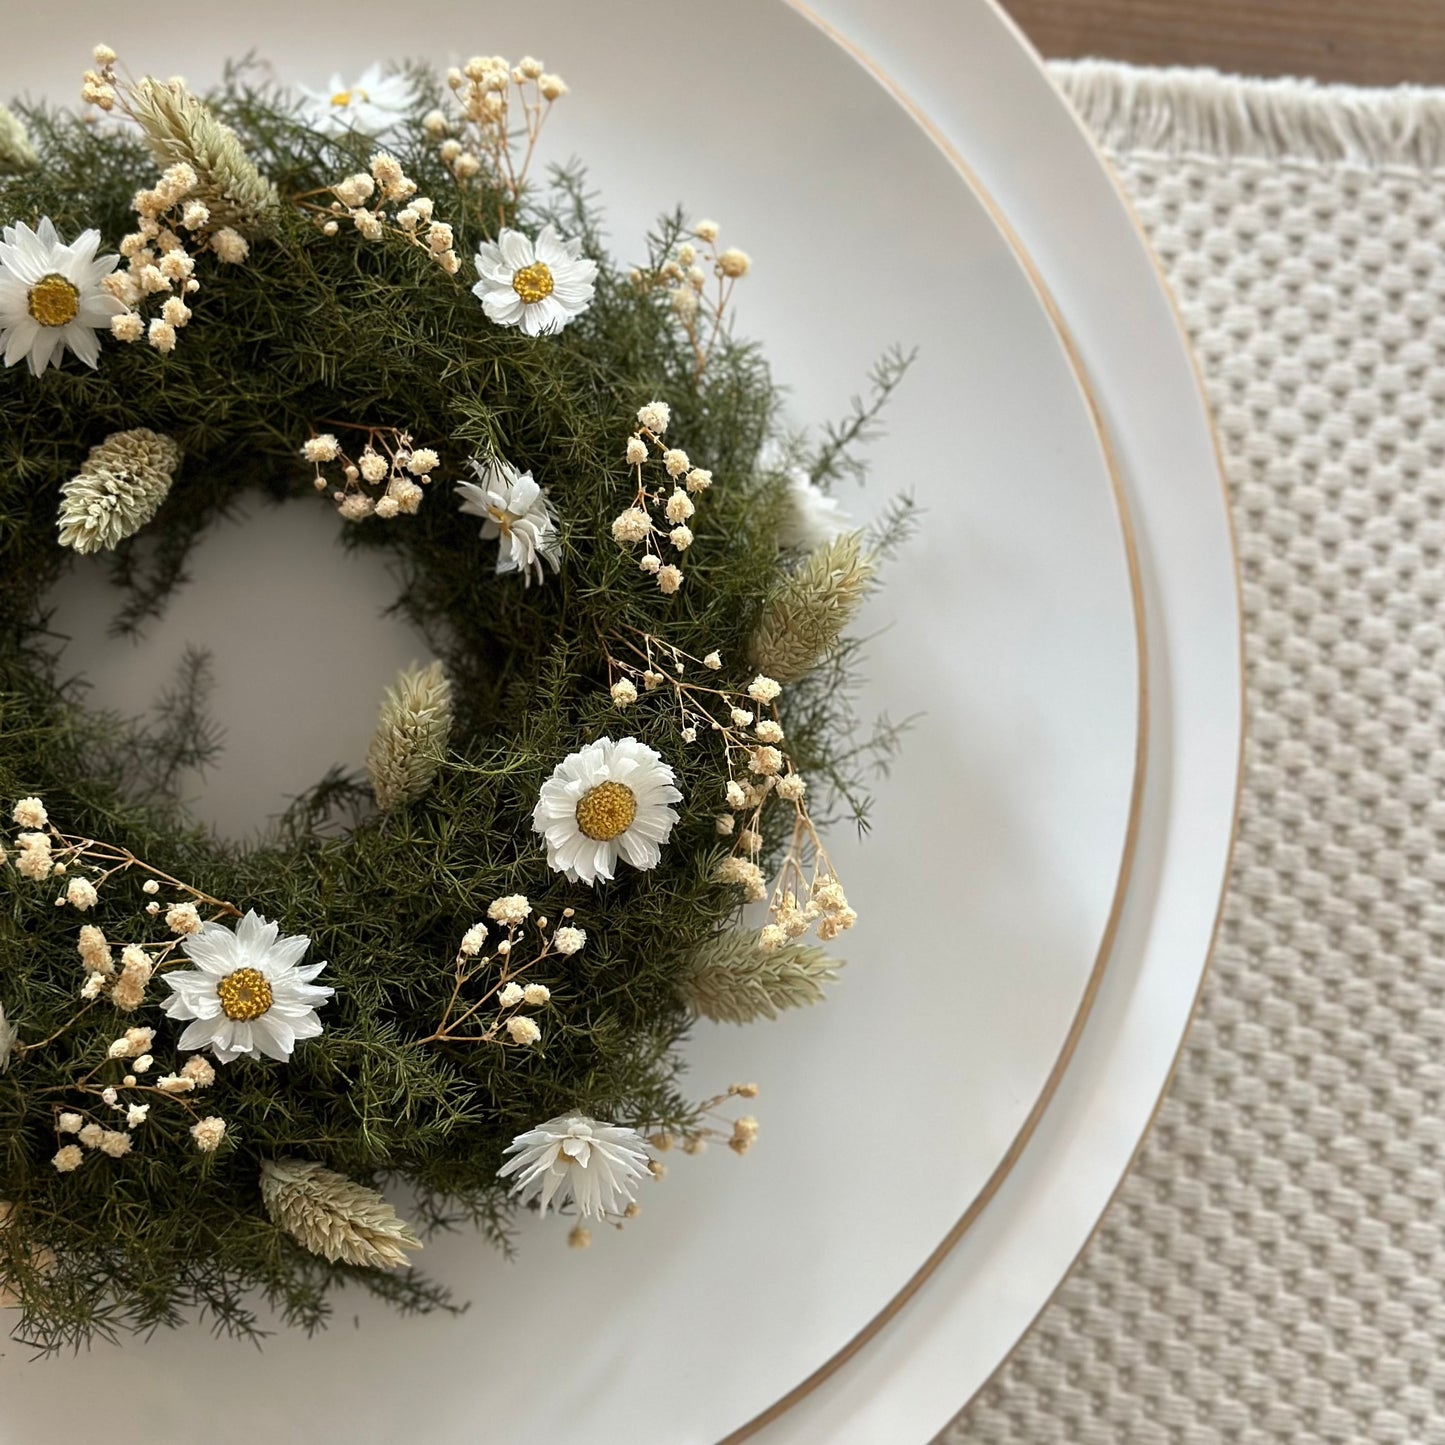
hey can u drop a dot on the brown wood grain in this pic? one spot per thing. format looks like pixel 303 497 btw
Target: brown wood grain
pixel 1362 42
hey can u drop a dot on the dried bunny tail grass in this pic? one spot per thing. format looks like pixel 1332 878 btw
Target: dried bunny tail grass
pixel 16 152
pixel 411 736
pixel 731 979
pixel 118 490
pixel 805 615
pixel 333 1216
pixel 181 128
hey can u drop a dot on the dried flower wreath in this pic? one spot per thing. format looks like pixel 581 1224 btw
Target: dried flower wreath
pixel 468 971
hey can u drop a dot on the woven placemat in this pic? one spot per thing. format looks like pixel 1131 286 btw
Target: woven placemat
pixel 1274 1268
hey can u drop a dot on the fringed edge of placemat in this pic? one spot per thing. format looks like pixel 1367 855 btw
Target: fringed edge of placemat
pixel 1179 110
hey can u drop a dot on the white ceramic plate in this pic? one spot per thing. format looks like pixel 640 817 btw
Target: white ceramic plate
pixel 990 883
pixel 986 95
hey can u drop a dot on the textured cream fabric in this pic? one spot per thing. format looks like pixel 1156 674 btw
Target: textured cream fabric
pixel 1274 1268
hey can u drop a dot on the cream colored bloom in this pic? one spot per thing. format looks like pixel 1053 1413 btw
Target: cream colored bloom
pixel 52 296
pixel 208 1134
pixel 539 287
pixel 523 1030
pixel 574 1158
pixel 30 813
pixel 513 910
pixel 569 940
pixel 632 525
pixel 608 800
pixel 655 416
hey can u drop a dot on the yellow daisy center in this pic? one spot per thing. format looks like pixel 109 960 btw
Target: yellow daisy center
pixel 244 995
pixel 344 98
pixel 533 283
pixel 53 301
pixel 606 811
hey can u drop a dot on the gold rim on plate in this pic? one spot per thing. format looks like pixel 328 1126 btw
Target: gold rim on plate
pixel 920 1276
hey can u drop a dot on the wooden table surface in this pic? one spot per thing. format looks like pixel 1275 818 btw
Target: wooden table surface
pixel 1360 42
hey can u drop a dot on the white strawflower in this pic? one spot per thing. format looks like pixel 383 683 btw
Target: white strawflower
pixel 573 1158
pixel 511 994
pixel 473 939
pixel 763 689
pixel 8 1034
pixel 679 506
pixel 536 994
pixel 669 579
pixel 655 416
pixel 517 513
pixel 118 490
pixel 373 104
pixel 624 694
pixel 569 940
pixel 67 1158
pixel 538 287
pixel 814 519
pixel 248 995
pixel 636 451
pixel 52 296
pixel 608 799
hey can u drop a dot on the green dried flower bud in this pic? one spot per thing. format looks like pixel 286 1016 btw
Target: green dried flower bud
pixel 807 612
pixel 733 979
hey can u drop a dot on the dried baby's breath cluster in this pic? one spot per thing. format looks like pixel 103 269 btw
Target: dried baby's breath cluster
pixel 160 255
pixel 806 891
pixel 384 478
pixel 697 280
pixel 500 110
pixel 85 869
pixel 384 202
pixel 496 1015
pixel 670 497
pixel 737 1133
pixel 117 1079
pixel 208 194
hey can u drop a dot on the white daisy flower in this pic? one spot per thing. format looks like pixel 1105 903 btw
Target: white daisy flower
pixel 814 518
pixel 518 514
pixel 51 295
pixel 538 288
pixel 247 995
pixel 576 1158
pixel 608 799
pixel 373 105
pixel 8 1034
